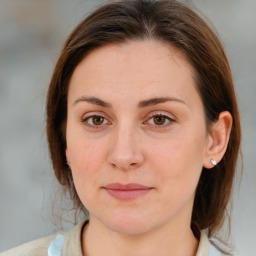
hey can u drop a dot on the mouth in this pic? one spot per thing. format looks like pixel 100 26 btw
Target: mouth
pixel 127 192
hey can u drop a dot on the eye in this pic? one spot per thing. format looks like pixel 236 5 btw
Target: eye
pixel 159 120
pixel 95 121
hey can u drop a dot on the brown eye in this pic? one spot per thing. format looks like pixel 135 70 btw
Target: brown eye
pixel 159 120
pixel 97 120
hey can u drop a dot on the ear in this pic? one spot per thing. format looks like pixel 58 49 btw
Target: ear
pixel 218 139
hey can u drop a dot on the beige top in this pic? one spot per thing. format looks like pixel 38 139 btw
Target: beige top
pixel 72 245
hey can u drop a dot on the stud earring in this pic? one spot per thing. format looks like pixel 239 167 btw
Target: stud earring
pixel 213 161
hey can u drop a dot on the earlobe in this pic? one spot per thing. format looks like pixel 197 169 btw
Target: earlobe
pixel 218 140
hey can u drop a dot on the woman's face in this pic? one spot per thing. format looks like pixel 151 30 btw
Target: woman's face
pixel 136 136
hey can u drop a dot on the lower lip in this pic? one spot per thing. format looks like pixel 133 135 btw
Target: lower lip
pixel 132 194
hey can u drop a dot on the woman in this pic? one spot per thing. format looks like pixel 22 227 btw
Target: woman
pixel 143 131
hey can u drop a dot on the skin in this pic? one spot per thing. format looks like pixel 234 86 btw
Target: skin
pixel 162 145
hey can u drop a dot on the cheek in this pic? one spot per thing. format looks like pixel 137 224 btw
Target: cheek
pixel 87 158
pixel 179 161
pixel 87 161
pixel 177 171
pixel 84 150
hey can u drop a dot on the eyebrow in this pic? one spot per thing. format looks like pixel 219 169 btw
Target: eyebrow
pixel 155 101
pixel 94 101
pixel 142 104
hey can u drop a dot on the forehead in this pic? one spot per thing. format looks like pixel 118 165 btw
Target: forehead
pixel 134 68
pixel 145 53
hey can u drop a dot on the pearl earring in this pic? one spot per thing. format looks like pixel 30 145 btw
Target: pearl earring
pixel 213 161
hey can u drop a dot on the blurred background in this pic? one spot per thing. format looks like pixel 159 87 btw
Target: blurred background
pixel 32 33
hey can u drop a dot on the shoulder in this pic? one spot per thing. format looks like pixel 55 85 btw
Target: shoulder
pixel 36 248
pixel 40 246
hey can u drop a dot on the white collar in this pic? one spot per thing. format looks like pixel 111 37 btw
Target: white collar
pixel 205 248
pixel 73 238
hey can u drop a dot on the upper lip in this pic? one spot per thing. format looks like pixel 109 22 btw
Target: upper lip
pixel 129 186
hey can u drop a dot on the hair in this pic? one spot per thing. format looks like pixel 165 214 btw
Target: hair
pixel 173 23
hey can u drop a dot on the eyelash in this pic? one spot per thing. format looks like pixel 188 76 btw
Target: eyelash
pixel 167 121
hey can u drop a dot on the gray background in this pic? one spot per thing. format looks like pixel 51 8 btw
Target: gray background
pixel 31 35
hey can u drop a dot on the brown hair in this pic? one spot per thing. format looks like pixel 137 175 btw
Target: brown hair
pixel 176 24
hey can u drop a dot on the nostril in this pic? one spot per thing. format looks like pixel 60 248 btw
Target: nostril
pixel 126 157
pixel 125 167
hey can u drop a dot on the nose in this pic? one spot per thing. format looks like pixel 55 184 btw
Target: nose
pixel 125 152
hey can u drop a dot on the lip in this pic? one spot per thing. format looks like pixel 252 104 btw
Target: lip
pixel 129 191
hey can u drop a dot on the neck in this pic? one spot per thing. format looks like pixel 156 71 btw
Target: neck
pixel 168 240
